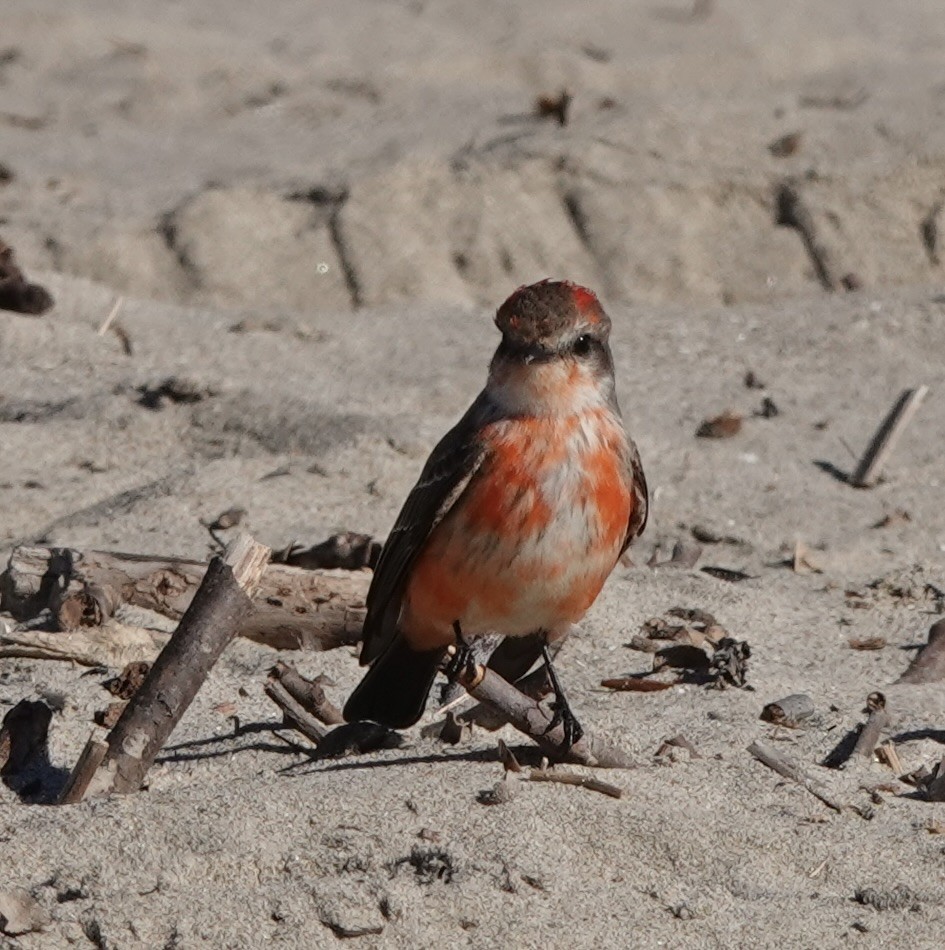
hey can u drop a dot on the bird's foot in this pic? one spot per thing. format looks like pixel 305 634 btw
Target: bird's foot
pixel 562 714
pixel 564 717
pixel 463 660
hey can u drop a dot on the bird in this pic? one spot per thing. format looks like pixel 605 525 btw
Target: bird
pixel 519 515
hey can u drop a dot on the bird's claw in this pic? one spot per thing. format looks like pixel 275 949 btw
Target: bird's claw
pixel 562 715
pixel 462 662
pixel 572 729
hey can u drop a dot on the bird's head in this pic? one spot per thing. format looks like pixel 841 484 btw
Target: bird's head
pixel 554 356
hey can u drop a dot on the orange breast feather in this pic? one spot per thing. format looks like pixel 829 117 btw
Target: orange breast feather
pixel 514 534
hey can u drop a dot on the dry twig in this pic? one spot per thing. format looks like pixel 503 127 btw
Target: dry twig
pixel 791 771
pixel 636 684
pixel 887 754
pixel 112 644
pixel 877 453
pixel 570 778
pixel 309 694
pixel 209 624
pixel 294 713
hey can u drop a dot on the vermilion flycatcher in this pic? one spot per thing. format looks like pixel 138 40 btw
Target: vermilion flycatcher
pixel 519 515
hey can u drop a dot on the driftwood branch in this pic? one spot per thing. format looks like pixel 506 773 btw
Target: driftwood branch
pixel 928 666
pixel 112 644
pixel 292 609
pixel 209 624
pixel 867 472
pixel 530 718
pixel 791 771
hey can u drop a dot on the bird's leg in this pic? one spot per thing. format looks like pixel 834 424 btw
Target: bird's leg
pixel 563 715
pixel 463 660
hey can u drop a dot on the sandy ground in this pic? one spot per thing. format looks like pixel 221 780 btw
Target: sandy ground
pixel 310 214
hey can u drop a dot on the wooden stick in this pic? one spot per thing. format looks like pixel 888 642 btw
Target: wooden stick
pixel 293 608
pixel 570 778
pixel 928 665
pixel 887 754
pixel 867 472
pixel 534 685
pixel 791 771
pixel 307 693
pixel 178 673
pixel 877 720
pixel 529 717
pixel 507 758
pixel 295 712
pixel 81 777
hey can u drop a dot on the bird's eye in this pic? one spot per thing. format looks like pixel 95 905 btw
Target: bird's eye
pixel 583 345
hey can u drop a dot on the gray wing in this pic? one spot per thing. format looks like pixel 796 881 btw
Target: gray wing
pixel 447 472
pixel 641 499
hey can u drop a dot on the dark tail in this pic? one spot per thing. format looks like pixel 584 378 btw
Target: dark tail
pixel 395 688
